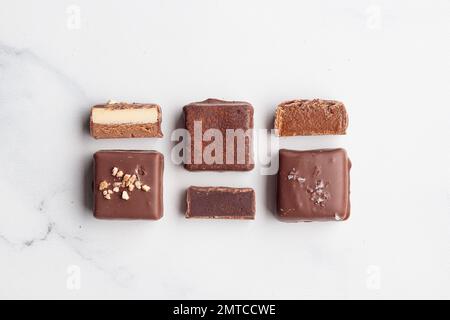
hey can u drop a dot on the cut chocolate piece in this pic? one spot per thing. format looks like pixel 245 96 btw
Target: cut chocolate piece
pixel 221 134
pixel 128 184
pixel 314 185
pixel 311 117
pixel 220 203
pixel 126 120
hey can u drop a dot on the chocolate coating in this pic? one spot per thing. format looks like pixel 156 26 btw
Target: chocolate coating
pixel 148 166
pixel 313 185
pixel 220 115
pixel 220 202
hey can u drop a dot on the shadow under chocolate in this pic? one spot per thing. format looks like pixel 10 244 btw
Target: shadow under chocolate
pixel 88 181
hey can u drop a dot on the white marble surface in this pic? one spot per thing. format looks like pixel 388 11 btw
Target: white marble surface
pixel 387 60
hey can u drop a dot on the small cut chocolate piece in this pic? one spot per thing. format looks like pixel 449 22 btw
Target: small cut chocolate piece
pixel 128 184
pixel 313 185
pixel 125 120
pixel 220 203
pixel 311 117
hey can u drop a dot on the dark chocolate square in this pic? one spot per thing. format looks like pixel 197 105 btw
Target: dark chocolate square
pixel 314 185
pixel 220 115
pixel 145 199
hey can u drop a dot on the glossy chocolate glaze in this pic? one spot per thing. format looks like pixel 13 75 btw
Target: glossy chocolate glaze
pixel 148 167
pixel 313 185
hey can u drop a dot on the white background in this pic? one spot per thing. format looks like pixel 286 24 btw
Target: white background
pixel 387 60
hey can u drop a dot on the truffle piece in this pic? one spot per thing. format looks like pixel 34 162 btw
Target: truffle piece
pixel 220 202
pixel 313 185
pixel 221 134
pixel 125 120
pixel 311 117
pixel 128 184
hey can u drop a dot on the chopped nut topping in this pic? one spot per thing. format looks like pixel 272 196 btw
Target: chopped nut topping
pixel 103 185
pixel 127 181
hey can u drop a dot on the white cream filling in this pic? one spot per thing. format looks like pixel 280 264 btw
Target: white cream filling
pixel 124 116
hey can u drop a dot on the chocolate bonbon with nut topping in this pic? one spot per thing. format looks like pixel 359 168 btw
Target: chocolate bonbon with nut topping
pixel 128 184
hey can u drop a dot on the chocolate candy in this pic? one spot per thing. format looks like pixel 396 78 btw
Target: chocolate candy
pixel 128 184
pixel 220 202
pixel 311 117
pixel 313 185
pixel 125 120
pixel 221 135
